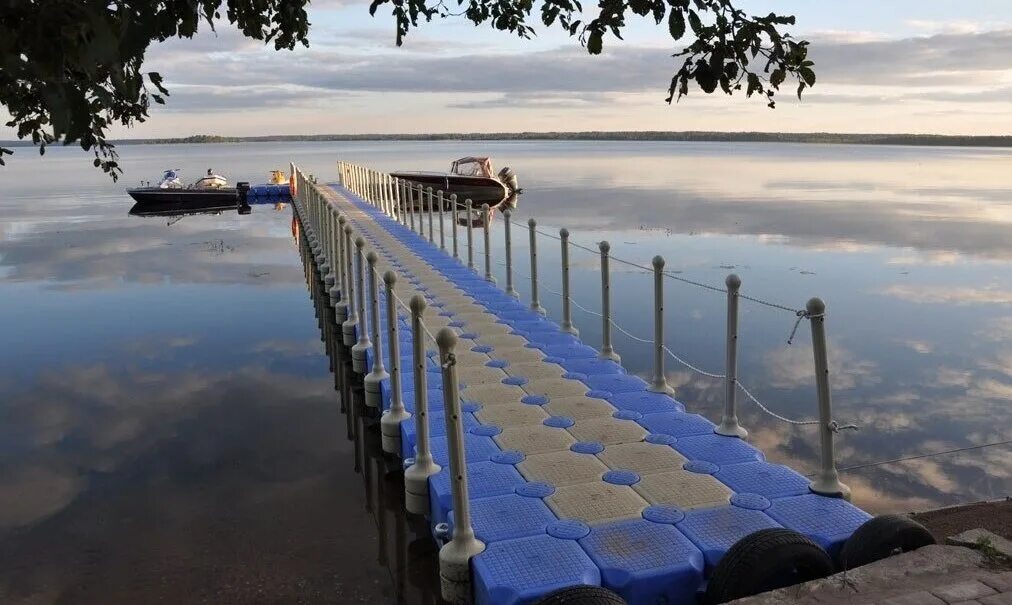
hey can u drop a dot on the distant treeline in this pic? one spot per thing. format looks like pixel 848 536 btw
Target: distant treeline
pixel 728 137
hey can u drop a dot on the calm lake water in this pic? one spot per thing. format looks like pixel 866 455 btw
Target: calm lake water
pixel 170 429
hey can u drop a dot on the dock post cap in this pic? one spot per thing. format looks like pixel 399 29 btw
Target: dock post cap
pixel 341 219
pixel 563 233
pixel 446 339
pixel 390 278
pixel 417 304
pixel 733 282
pixel 348 229
pixel 531 222
pixel 507 213
pixel 815 306
pixel 604 246
pixel 371 258
pixel 658 262
pixel 485 207
pixel 359 242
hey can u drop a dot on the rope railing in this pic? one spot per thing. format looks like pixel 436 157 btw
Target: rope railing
pixel 414 206
pixel 670 275
pixel 685 363
pixel 928 455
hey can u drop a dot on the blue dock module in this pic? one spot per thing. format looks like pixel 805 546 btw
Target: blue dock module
pixel 578 473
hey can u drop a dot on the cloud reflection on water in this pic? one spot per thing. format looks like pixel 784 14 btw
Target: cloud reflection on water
pixel 914 362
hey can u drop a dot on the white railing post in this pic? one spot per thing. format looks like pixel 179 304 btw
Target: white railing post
pixel 394 196
pixel 429 192
pixel 827 481
pixel 729 422
pixel 607 351
pixel 455 556
pixel 532 227
pixel 402 203
pixel 421 211
pixel 486 214
pixel 390 422
pixel 567 317
pixel 324 236
pixel 416 476
pixel 506 225
pixel 373 393
pixel 411 205
pixel 335 243
pixel 330 280
pixel 350 324
pixel 660 382
pixel 358 356
pixel 388 193
pixel 442 235
pixel 395 199
pixel 470 235
pixel 341 308
pixel 453 219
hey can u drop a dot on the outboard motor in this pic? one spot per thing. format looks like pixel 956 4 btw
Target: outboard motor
pixel 242 198
pixel 509 178
pixel 242 191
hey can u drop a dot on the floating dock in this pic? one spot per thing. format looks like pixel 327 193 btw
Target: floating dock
pixel 577 473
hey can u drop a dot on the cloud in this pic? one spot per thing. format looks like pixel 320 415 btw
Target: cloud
pixel 34 492
pixel 928 60
pixel 538 101
pixel 996 329
pixel 919 346
pixel 213 99
pixel 149 253
pixel 949 295
pixel 78 419
pixel 569 69
pixel 791 367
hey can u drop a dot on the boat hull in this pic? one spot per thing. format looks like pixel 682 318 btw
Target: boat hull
pixel 183 197
pixel 480 190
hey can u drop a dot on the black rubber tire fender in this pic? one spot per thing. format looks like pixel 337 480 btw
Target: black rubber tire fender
pixel 581 595
pixel 766 560
pixel 882 537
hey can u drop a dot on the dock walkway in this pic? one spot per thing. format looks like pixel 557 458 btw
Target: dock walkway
pixel 577 474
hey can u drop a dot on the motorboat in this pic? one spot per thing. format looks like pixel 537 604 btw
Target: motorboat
pixel 209 189
pixel 470 178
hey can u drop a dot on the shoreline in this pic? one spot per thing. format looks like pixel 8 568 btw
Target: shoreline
pixel 823 138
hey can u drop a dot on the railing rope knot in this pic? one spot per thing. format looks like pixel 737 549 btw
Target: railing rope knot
pixel 802 315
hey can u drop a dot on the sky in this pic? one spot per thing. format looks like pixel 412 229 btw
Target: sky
pixel 918 66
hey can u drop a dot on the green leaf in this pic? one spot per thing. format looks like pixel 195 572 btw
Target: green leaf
pixel 676 24
pixel 695 23
pixel 777 77
pixel 807 75
pixel 706 79
pixel 595 41
pixel 754 84
pixel 801 88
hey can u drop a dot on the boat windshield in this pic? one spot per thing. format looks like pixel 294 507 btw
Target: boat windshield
pixel 471 166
